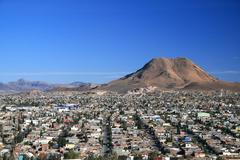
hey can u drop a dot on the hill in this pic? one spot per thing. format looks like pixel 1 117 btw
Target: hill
pixel 169 73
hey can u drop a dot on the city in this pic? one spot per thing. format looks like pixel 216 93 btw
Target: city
pixel 119 79
pixel 137 125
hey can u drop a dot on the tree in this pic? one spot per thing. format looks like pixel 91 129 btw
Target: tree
pixel 124 125
pixel 41 133
pixel 153 155
pixel 71 155
pixel 122 112
pixel 50 143
pixel 61 141
pixel 122 158
pixel 137 157
pixel 4 109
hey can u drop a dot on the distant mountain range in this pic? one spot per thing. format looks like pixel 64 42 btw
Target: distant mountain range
pixel 170 73
pixel 22 85
pixel 160 73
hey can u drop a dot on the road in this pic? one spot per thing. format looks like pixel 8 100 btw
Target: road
pixel 107 137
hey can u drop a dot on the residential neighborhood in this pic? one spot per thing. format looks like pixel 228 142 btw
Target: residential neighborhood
pixel 139 125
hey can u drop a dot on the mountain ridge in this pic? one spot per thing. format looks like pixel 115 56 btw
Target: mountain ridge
pixel 22 85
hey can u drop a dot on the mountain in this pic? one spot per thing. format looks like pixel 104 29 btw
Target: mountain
pixel 159 73
pixel 22 85
pixel 4 87
pixel 169 73
pixel 74 86
pixel 78 84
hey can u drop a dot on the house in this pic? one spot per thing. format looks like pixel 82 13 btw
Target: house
pixel 69 146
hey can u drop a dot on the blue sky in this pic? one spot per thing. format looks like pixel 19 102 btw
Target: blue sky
pixel 98 41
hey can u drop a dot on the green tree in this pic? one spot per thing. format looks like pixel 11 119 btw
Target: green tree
pixel 71 155
pixel 137 157
pixel 153 155
pixel 61 141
